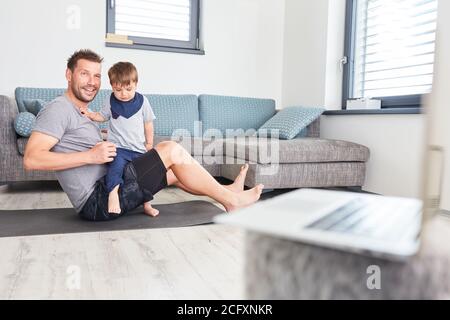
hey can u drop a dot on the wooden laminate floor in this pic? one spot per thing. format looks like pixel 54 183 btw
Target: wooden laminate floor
pixel 203 262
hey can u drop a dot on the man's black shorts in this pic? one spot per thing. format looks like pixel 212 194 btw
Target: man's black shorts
pixel 143 177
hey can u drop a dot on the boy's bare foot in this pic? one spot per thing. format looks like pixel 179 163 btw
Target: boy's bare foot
pixel 149 210
pixel 238 184
pixel 114 202
pixel 245 198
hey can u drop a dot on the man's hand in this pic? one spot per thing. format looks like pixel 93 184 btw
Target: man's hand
pixel 39 157
pixel 148 146
pixel 102 152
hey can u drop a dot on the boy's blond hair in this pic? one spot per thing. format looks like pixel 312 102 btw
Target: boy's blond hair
pixel 123 73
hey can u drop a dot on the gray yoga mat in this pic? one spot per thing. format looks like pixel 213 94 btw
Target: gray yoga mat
pixel 15 223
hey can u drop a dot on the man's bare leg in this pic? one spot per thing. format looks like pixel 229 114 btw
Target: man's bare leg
pixel 236 186
pixel 113 201
pixel 193 176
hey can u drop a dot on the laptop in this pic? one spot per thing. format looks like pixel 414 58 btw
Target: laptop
pixel 374 225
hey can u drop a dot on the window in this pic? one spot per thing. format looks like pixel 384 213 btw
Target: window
pixel 389 50
pixel 163 25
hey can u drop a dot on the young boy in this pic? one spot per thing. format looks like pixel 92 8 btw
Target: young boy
pixel 130 128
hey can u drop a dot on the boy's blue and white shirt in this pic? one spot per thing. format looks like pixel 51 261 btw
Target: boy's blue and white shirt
pixel 127 131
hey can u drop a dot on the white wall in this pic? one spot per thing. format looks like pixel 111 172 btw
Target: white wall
pixel 439 104
pixel 313 46
pixel 242 39
pixel 305 52
pixel 335 52
pixel 396 146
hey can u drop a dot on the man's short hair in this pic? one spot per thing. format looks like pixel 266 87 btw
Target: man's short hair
pixel 85 54
pixel 123 73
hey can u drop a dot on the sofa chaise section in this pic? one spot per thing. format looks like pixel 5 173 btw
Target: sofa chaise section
pixel 298 163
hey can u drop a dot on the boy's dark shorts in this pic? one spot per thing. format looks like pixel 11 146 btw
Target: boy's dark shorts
pixel 143 177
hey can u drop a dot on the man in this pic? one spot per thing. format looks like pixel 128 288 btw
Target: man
pixel 66 141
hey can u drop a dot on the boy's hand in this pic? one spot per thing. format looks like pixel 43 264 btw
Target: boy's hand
pixel 94 116
pixel 148 146
pixel 87 113
pixel 84 110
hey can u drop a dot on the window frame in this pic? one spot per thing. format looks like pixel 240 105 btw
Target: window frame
pixel 156 44
pixel 406 101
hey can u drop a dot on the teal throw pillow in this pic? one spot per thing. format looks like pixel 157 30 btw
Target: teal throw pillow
pixel 34 105
pixel 290 123
pixel 24 123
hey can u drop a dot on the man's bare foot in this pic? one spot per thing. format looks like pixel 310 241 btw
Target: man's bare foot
pixel 245 198
pixel 114 202
pixel 238 184
pixel 149 210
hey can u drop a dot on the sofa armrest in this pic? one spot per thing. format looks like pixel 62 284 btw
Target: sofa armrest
pixel 11 161
pixel 9 152
pixel 314 129
pixel 8 112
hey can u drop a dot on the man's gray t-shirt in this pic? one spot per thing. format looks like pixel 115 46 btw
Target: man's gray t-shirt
pixel 128 133
pixel 63 121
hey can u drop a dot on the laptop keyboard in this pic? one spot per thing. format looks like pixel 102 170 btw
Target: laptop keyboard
pixel 390 220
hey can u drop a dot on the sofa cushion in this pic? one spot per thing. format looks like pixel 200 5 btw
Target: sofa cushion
pixel 174 112
pixel 44 94
pixel 99 101
pixel 227 112
pixel 24 123
pixel 34 105
pixel 266 150
pixel 48 94
pixel 290 122
pixel 196 146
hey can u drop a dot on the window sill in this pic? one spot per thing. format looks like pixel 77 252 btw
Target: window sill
pixel 155 48
pixel 380 111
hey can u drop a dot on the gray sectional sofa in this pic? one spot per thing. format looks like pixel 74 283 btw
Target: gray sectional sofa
pixel 304 162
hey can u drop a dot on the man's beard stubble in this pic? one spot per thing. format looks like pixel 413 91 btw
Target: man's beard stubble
pixel 79 96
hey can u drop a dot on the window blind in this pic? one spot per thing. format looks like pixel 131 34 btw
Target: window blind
pixel 394 47
pixel 163 19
